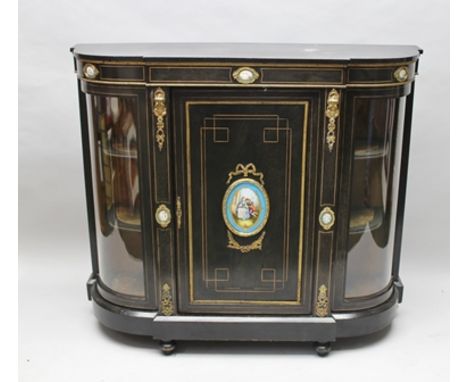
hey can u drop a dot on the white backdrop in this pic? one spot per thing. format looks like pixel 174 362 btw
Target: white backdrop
pixel 54 257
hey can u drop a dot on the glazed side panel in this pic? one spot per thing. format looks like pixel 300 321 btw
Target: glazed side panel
pixel 367 248
pixel 120 167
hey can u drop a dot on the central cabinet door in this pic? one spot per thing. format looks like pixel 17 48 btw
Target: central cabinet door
pixel 245 181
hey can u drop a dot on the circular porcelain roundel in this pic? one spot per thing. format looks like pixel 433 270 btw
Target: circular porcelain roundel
pixel 245 207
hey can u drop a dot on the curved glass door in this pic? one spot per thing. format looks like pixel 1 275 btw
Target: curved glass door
pixel 113 141
pixel 373 195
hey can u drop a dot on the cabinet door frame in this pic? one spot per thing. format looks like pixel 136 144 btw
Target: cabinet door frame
pixel 186 303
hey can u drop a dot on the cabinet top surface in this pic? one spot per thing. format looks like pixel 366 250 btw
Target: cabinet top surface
pixel 248 51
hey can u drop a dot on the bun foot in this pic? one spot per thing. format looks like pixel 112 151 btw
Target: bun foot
pixel 322 349
pixel 167 347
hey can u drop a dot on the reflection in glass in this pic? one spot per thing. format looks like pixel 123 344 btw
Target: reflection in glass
pixel 117 192
pixel 373 195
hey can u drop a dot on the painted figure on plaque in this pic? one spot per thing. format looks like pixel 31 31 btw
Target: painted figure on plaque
pixel 245 207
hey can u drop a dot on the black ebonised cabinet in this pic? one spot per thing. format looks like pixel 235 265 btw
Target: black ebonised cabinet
pixel 245 191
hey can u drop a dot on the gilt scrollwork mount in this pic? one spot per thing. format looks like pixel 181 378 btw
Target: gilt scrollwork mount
pixel 160 111
pixel 321 306
pixel 245 170
pixel 332 112
pixel 167 307
pixel 245 207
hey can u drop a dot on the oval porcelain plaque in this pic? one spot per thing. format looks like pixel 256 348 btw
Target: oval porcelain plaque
pixel 246 207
